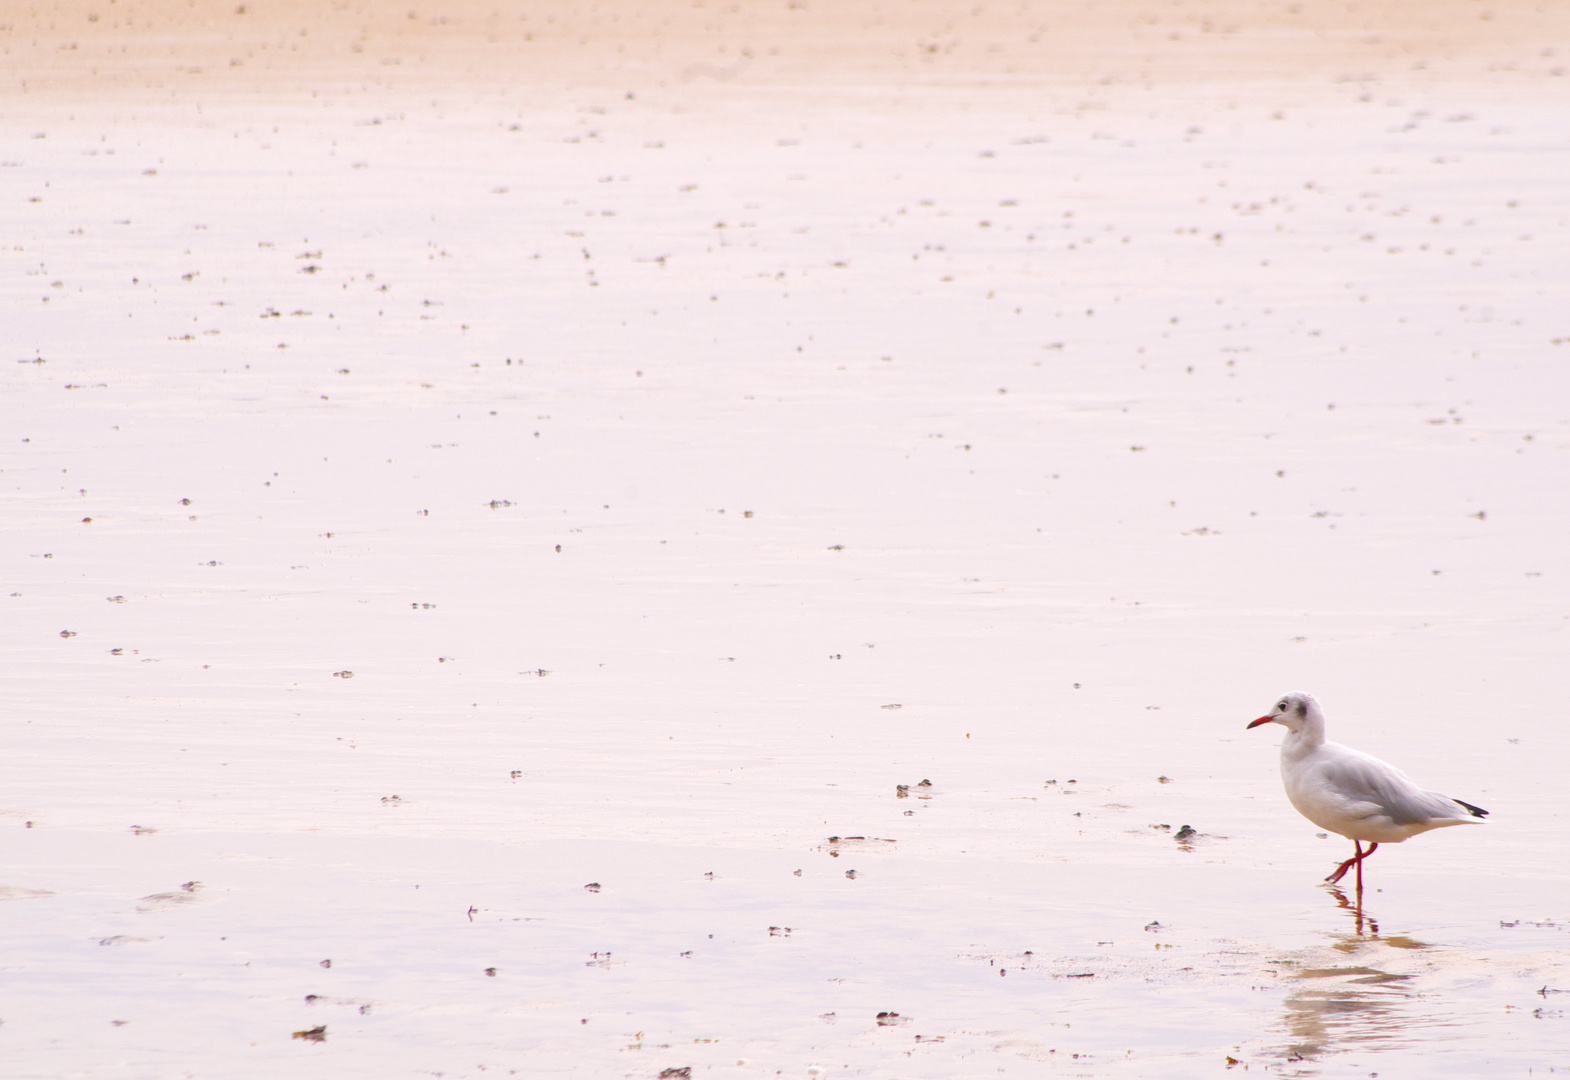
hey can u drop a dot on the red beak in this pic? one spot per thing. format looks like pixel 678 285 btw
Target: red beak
pixel 1261 720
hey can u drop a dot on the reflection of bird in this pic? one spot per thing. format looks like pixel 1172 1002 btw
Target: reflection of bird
pixel 1349 792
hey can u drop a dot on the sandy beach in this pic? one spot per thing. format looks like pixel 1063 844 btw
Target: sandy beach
pixel 604 540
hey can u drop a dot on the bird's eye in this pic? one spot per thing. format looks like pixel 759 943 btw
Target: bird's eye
pixel 1281 706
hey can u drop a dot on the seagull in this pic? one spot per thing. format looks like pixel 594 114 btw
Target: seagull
pixel 1352 793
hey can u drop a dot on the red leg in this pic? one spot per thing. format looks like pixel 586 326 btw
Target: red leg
pixel 1365 855
pixel 1340 871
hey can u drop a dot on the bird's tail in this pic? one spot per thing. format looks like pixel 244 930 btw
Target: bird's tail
pixel 1475 811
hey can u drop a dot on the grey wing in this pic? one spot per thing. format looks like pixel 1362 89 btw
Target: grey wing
pixel 1361 778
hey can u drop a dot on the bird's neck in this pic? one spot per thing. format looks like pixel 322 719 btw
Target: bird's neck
pixel 1309 736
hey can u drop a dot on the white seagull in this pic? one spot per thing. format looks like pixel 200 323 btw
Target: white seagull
pixel 1352 793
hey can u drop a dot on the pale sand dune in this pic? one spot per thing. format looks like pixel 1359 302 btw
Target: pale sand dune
pixel 271 45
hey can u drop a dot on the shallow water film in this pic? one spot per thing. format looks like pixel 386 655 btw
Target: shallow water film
pixel 681 540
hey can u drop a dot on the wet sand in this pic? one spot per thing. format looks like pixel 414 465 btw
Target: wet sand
pixel 448 468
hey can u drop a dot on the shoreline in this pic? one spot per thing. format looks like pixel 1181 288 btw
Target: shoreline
pixel 93 47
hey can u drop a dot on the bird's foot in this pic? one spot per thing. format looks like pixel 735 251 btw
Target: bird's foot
pixel 1340 871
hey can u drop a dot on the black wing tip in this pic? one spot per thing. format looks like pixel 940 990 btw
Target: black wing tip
pixel 1475 811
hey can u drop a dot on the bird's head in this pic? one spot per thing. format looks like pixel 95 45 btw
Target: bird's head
pixel 1291 710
